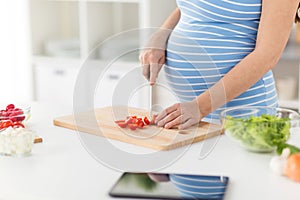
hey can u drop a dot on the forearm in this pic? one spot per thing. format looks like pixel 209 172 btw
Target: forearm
pixel 273 33
pixel 162 34
pixel 235 82
pixel 172 20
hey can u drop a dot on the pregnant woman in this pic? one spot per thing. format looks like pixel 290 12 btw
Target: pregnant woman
pixel 217 54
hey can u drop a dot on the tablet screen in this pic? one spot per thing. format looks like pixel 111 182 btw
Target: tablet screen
pixel 170 186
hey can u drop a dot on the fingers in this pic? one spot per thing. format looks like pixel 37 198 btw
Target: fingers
pixel 170 117
pixel 182 115
pixel 186 124
pixel 146 71
pixel 166 112
pixel 152 61
pixel 175 122
pixel 154 67
pixel 145 65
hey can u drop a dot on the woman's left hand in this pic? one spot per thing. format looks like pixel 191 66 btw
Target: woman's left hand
pixel 182 115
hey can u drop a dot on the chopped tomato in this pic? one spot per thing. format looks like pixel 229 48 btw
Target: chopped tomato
pixel 139 120
pixel 131 120
pixel 140 124
pixel 132 116
pixel 146 121
pixel 118 121
pixel 132 126
pixel 121 123
pixel 10 107
pixel 6 124
pixel 18 124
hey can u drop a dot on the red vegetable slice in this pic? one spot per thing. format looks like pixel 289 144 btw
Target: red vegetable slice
pixel 118 121
pixel 132 126
pixel 146 121
pixel 131 120
pixel 10 107
pixel 6 124
pixel 18 124
pixel 121 123
pixel 140 124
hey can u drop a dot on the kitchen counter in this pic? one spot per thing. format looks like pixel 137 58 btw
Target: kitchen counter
pixel 60 168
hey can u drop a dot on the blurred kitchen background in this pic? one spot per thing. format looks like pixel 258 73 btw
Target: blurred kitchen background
pixel 45 42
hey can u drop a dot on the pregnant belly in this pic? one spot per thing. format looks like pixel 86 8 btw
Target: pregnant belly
pixel 191 69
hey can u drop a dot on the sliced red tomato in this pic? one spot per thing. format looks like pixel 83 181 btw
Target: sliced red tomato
pixel 18 125
pixel 6 124
pixel 146 121
pixel 10 107
pixel 140 124
pixel 118 121
pixel 132 126
pixel 121 123
pixel 139 120
pixel 131 120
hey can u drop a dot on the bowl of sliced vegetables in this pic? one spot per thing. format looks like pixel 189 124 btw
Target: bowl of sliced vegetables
pixel 12 115
pixel 257 128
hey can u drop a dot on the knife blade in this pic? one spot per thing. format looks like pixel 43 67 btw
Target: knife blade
pixel 150 101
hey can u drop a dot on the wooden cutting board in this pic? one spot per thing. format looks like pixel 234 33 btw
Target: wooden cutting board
pixel 101 122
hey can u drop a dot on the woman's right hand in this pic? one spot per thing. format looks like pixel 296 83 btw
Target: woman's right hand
pixel 152 60
pixel 153 56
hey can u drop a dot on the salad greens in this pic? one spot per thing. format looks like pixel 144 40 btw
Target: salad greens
pixel 293 149
pixel 263 132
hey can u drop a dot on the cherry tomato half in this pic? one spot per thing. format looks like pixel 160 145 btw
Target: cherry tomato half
pixel 140 124
pixel 132 126
pixel 6 124
pixel 131 120
pixel 18 125
pixel 121 123
pixel 146 121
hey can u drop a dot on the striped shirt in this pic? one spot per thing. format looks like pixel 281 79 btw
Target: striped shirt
pixel 212 37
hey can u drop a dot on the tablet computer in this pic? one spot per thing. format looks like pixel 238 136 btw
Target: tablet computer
pixel 169 186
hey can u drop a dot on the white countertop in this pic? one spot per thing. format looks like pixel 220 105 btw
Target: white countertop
pixel 60 168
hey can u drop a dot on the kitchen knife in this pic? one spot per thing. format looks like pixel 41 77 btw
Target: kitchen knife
pixel 150 101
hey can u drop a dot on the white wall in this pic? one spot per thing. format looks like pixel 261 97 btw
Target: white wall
pixel 15 72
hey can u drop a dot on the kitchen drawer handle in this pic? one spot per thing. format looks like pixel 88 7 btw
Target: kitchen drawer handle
pixel 113 77
pixel 59 72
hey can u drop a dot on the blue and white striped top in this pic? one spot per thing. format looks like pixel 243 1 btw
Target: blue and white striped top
pixel 211 37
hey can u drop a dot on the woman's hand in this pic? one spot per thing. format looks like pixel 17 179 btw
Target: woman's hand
pixel 182 115
pixel 153 55
pixel 152 60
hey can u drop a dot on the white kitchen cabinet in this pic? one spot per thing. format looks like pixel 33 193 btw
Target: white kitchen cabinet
pixel 88 22
pixel 122 84
pixel 91 22
pixel 54 81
